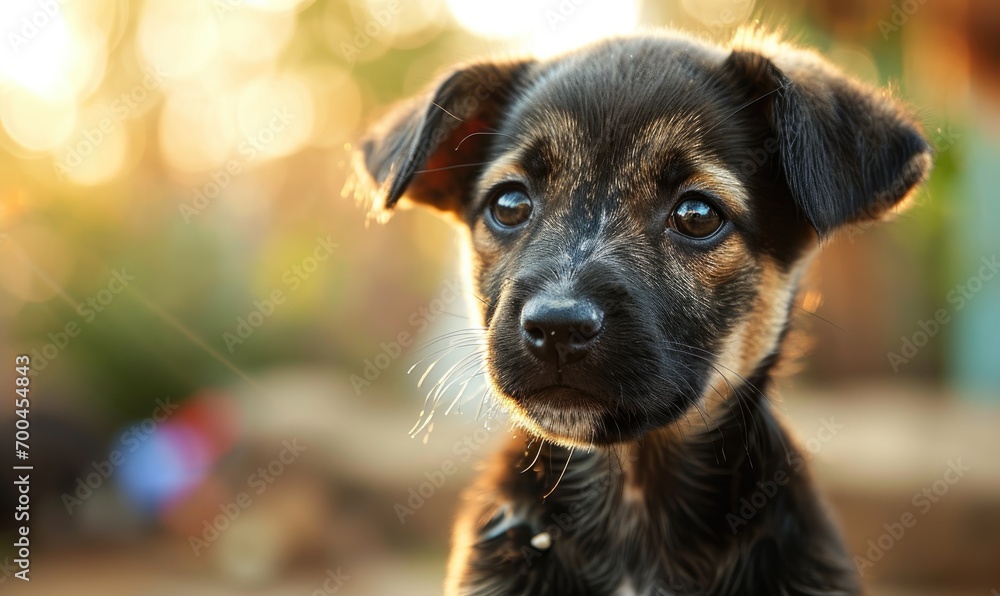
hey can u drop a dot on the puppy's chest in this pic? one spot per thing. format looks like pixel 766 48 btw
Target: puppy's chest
pixel 599 534
pixel 620 549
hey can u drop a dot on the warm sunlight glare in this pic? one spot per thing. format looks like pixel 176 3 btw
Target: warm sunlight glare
pixel 35 52
pixel 559 27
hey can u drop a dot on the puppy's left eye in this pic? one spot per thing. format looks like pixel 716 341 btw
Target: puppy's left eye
pixel 696 218
pixel 510 207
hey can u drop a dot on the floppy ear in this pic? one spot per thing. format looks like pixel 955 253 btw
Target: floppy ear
pixel 429 149
pixel 848 152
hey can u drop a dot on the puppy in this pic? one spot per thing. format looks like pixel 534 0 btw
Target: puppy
pixel 639 214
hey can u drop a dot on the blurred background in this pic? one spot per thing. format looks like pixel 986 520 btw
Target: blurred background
pixel 219 345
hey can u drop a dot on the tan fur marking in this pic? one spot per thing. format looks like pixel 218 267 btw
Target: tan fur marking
pixel 505 167
pixel 719 181
pixel 757 334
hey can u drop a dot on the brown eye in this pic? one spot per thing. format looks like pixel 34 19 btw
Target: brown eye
pixel 510 207
pixel 696 218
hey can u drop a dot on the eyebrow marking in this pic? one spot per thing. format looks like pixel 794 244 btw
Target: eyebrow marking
pixel 719 180
pixel 504 168
pixel 536 156
pixel 681 135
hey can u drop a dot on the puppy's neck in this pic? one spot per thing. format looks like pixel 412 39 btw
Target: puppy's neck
pixel 739 437
pixel 674 487
pixel 701 492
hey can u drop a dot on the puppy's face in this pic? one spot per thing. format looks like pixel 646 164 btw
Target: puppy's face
pixel 639 212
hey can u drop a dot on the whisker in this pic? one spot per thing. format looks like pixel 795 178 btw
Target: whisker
pixel 748 104
pixel 541 445
pixel 427 398
pixel 482 133
pixel 737 395
pixel 494 407
pixel 444 353
pixel 426 421
pixel 463 165
pixel 461 391
pixel 479 410
pixel 827 321
pixel 440 385
pixel 438 106
pixel 481 368
pixel 565 467
pixel 472 332
pixel 454 315
pixel 714 364
pixel 703 413
pixel 711 363
pixel 462 343
pixel 428 371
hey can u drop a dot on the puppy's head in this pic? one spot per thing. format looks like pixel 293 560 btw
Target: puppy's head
pixel 639 212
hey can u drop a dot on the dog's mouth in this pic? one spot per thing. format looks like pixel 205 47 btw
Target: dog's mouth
pixel 592 404
pixel 594 385
pixel 562 396
pixel 562 414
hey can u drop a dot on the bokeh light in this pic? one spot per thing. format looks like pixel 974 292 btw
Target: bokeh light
pixel 251 37
pixel 274 116
pixel 197 130
pixel 164 462
pixel 181 37
pixel 37 123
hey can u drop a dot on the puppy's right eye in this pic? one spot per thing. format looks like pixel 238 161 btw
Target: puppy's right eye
pixel 510 207
pixel 696 218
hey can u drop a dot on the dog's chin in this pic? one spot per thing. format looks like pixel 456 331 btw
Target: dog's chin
pixel 565 416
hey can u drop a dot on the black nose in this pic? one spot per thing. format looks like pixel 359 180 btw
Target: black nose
pixel 560 330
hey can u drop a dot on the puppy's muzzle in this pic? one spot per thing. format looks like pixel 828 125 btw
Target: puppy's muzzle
pixel 559 329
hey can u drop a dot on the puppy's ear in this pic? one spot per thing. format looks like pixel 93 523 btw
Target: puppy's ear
pixel 430 149
pixel 849 153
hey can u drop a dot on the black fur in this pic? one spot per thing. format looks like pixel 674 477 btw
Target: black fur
pixel 663 428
